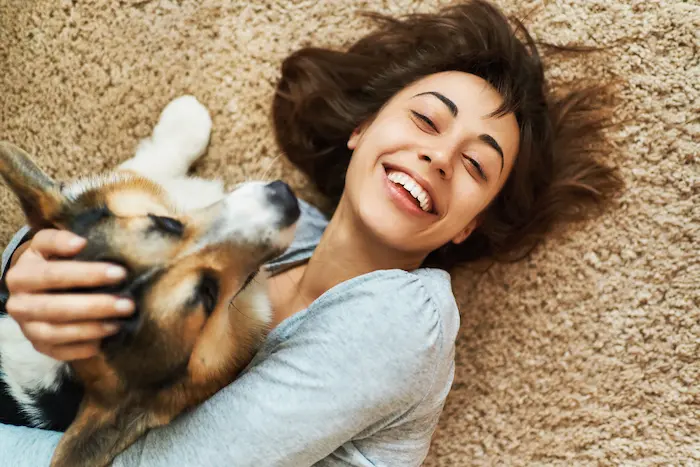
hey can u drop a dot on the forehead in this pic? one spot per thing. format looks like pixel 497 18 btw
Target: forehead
pixel 475 99
pixel 123 193
pixel 474 94
pixel 134 202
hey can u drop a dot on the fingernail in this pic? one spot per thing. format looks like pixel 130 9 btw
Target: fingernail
pixel 124 305
pixel 76 242
pixel 115 272
pixel 110 327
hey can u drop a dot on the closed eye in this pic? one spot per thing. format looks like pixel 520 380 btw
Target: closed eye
pixel 478 167
pixel 425 120
pixel 167 225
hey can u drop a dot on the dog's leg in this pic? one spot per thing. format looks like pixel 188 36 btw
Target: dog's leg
pixel 179 138
pixel 98 435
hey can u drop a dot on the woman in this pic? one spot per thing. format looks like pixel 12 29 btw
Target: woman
pixel 439 143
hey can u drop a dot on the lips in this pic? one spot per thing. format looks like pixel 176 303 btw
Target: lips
pixel 424 189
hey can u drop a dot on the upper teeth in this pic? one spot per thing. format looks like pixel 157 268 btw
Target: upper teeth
pixel 412 187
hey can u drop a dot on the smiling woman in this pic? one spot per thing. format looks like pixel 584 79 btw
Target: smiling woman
pixel 421 136
pixel 478 101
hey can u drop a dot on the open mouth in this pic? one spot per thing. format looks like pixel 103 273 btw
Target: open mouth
pixel 411 189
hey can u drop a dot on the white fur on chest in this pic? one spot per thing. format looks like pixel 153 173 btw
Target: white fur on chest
pixel 254 299
pixel 24 369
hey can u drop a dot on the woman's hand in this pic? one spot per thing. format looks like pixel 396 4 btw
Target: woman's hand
pixel 63 326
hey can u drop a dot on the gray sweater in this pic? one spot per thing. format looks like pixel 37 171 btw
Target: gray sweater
pixel 358 378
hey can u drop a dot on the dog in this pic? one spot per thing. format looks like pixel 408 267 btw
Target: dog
pixel 191 252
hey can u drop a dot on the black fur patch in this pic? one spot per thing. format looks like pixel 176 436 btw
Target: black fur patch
pixel 60 408
pixel 10 412
pixel 57 408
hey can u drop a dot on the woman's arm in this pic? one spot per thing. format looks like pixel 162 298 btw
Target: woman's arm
pixel 27 447
pixel 353 366
pixel 361 358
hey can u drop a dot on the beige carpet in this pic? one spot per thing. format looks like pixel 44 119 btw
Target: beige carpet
pixel 585 354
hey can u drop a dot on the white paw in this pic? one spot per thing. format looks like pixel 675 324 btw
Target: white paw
pixel 184 124
pixel 179 138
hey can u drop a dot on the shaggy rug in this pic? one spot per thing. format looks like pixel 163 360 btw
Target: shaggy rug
pixel 586 353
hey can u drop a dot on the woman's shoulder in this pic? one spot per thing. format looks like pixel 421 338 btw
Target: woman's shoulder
pixel 406 313
pixel 438 283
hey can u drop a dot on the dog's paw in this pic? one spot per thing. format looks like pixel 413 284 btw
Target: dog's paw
pixel 185 126
pixel 179 138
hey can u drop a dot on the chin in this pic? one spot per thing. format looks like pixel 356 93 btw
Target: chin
pixel 386 225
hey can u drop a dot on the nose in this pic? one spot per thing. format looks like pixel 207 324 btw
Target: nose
pixel 439 161
pixel 279 194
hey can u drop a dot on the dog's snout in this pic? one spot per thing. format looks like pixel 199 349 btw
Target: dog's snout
pixel 127 329
pixel 280 194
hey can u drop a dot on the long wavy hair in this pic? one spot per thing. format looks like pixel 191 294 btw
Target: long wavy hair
pixel 559 173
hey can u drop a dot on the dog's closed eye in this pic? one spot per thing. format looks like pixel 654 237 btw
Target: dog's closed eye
pixel 167 225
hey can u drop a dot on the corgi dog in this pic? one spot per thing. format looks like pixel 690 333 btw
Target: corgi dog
pixel 191 251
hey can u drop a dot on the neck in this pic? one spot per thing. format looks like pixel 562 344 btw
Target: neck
pixel 347 250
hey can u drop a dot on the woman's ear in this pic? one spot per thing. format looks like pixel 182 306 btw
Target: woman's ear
pixel 355 136
pixel 467 231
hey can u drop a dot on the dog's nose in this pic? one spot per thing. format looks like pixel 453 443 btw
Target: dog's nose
pixel 279 194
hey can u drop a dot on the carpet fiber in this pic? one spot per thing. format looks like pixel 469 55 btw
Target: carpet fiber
pixel 584 354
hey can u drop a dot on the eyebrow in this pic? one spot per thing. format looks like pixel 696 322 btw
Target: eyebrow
pixel 488 139
pixel 450 105
pixel 454 110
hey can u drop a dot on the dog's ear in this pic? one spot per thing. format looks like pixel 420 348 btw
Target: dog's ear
pixel 98 434
pixel 38 194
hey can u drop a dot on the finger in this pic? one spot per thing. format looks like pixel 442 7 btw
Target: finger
pixel 66 308
pixel 57 275
pixel 43 333
pixel 71 352
pixel 52 242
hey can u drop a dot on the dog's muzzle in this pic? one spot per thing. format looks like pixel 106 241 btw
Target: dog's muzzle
pixel 131 288
pixel 280 194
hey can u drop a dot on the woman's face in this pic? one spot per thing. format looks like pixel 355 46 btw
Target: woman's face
pixel 430 162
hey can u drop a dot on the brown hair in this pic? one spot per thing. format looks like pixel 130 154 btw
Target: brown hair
pixel 323 95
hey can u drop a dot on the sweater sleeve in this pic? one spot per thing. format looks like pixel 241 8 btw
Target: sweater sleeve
pixel 363 359
pixel 16 240
pixel 20 237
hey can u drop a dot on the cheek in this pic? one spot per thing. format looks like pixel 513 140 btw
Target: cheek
pixel 469 198
pixel 385 136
